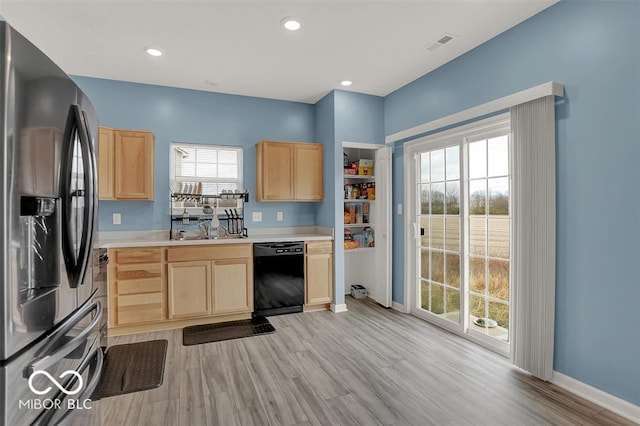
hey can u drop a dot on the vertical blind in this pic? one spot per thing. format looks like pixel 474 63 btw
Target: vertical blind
pixel 534 224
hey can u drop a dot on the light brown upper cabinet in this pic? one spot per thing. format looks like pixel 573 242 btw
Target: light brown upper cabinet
pixel 106 152
pixel 125 164
pixel 289 171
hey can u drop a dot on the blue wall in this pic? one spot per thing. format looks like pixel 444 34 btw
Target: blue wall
pixel 592 48
pixel 325 134
pixel 179 115
pixel 358 118
pixel 343 116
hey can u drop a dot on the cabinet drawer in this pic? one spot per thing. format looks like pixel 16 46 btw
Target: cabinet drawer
pixel 320 247
pixel 151 285
pixel 127 256
pixel 212 252
pixel 131 272
pixel 137 308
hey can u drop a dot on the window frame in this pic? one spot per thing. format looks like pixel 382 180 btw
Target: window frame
pixel 174 180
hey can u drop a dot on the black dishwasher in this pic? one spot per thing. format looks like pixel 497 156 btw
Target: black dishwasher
pixel 278 278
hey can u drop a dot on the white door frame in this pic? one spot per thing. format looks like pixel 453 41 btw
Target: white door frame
pixel 383 221
pixel 411 150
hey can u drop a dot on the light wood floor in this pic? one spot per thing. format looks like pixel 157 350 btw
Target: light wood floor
pixel 367 366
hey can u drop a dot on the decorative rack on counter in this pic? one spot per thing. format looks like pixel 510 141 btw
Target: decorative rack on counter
pixel 203 209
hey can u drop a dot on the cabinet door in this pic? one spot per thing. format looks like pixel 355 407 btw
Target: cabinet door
pixel 232 286
pixel 139 308
pixel 308 182
pixel 106 153
pixel 189 285
pixel 274 171
pixel 134 160
pixel 318 276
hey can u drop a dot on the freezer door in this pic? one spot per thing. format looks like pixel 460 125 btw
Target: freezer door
pixel 67 364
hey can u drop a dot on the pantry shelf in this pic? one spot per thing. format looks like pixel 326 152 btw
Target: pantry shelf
pixel 360 177
pixel 360 249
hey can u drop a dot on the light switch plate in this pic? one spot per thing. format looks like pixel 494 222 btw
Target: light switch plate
pixel 257 217
pixel 117 218
pixel 280 216
pixel 400 209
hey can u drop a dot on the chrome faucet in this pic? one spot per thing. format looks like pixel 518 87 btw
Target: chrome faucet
pixel 203 227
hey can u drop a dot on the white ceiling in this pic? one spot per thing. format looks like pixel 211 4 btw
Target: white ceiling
pixel 239 47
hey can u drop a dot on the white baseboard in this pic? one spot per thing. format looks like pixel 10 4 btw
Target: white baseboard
pixel 342 307
pixel 612 403
pixel 399 307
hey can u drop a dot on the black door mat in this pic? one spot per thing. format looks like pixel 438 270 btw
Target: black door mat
pixel 133 367
pixel 198 334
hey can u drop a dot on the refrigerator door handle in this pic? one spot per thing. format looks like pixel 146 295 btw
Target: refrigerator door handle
pixel 76 261
pixel 96 356
pixel 48 360
pixel 91 169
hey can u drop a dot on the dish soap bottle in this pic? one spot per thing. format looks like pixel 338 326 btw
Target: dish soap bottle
pixel 215 223
pixel 185 217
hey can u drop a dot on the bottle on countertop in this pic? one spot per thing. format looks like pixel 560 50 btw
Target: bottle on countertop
pixel 215 222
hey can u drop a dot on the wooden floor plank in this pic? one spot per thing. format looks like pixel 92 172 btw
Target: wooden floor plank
pixel 367 366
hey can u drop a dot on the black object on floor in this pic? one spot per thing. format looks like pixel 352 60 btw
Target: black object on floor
pixel 132 367
pixel 198 334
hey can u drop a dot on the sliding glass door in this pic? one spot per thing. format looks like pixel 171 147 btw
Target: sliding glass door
pixel 489 236
pixel 439 243
pixel 461 207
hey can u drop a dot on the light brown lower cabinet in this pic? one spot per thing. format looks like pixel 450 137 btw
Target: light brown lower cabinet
pixel 189 289
pixel 136 286
pixel 203 288
pixel 318 273
pixel 156 288
pixel 168 287
pixel 232 285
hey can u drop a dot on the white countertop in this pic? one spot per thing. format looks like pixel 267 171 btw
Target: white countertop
pixel 261 235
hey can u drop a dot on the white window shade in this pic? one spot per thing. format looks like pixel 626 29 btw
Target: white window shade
pixel 218 168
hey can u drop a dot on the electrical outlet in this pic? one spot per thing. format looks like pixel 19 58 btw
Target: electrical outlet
pixel 257 217
pixel 280 216
pixel 117 218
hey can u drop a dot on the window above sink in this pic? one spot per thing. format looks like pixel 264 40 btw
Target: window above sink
pixel 202 170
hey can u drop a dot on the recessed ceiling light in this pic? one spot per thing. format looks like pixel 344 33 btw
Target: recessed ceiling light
pixel 346 83
pixel 291 24
pixel 153 51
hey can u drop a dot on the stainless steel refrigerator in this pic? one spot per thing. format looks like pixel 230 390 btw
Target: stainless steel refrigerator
pixel 50 319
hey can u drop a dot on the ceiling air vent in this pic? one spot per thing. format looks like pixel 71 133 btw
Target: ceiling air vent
pixel 446 38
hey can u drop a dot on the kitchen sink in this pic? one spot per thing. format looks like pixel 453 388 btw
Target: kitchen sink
pixel 193 237
pixel 206 237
